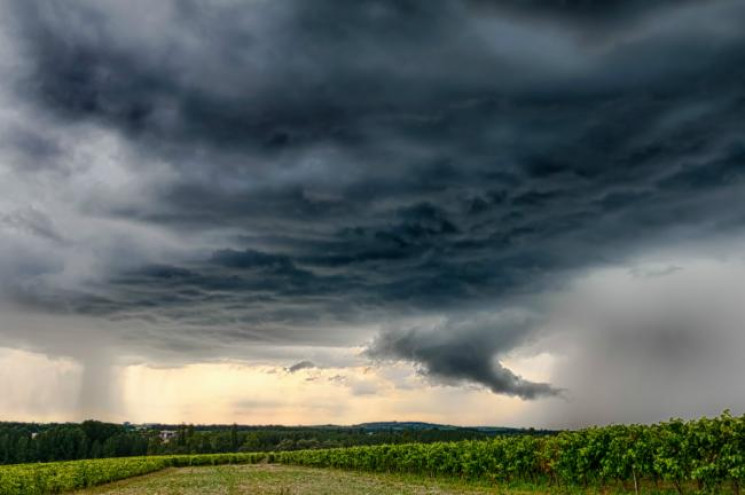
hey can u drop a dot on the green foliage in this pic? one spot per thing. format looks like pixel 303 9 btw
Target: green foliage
pixel 709 452
pixel 28 442
pixel 59 477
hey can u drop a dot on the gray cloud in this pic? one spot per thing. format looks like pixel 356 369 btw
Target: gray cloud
pixel 583 13
pixel 231 176
pixel 643 348
pixel 465 351
pixel 302 365
pixel 31 221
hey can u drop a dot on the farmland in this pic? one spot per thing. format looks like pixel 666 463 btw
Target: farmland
pixel 705 455
pixel 58 477
pixel 271 479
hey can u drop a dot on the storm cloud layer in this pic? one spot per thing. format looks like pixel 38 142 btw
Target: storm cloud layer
pixel 225 179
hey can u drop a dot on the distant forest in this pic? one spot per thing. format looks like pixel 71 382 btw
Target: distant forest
pixel 32 442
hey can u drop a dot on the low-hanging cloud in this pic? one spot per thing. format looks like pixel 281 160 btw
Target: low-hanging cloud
pixel 301 365
pixel 465 351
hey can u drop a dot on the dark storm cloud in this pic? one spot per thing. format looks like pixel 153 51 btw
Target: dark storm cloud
pixel 605 11
pixel 37 151
pixel 302 365
pixel 465 350
pixel 336 164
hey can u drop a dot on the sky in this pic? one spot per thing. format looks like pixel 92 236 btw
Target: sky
pixel 473 212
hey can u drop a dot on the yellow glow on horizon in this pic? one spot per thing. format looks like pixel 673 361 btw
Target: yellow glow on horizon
pixel 209 393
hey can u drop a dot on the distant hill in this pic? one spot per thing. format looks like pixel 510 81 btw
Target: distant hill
pixel 398 426
pixel 372 427
pixel 404 426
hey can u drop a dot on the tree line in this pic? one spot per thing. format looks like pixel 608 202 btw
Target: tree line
pixel 30 442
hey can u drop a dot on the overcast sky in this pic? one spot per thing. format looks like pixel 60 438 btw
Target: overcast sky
pixel 522 212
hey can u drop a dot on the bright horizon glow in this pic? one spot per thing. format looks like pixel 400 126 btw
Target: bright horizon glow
pixel 227 393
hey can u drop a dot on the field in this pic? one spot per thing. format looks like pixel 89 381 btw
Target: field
pixel 270 479
pixel 700 456
pixel 274 479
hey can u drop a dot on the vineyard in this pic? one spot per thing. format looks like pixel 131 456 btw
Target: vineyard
pixel 705 455
pixel 59 477
pixel 708 452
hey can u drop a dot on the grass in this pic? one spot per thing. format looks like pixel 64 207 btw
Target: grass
pixel 272 479
pixel 277 479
